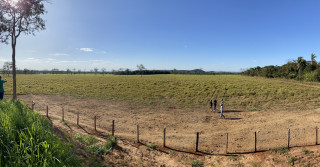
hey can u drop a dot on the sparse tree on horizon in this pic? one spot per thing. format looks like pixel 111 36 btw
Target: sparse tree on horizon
pixel 96 70
pixel 7 67
pixel 103 71
pixel 127 71
pixel 16 17
pixel 141 69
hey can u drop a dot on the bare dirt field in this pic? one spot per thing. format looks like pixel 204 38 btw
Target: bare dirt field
pixel 182 124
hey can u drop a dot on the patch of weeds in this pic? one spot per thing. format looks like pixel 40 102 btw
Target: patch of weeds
pixel 99 149
pixel 80 138
pixel 91 140
pixel 64 122
pixel 211 164
pixel 306 151
pixel 140 163
pixel 172 154
pixel 112 141
pixel 123 161
pixel 281 150
pixel 234 158
pixel 253 109
pixel 150 113
pixel 307 165
pixel 240 164
pixel 92 161
pixel 164 103
pixel 218 160
pixel 291 160
pixel 196 163
pixel 152 147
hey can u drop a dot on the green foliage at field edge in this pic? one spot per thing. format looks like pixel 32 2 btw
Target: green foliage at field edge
pixel 27 139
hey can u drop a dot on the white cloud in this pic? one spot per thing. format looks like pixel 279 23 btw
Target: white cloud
pixel 86 49
pixel 60 54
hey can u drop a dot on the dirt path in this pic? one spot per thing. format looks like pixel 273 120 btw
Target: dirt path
pixel 182 125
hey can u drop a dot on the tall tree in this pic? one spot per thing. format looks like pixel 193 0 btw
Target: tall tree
pixel 302 63
pixel 313 57
pixel 16 17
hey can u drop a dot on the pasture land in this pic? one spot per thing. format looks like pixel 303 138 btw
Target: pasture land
pixel 179 103
pixel 239 92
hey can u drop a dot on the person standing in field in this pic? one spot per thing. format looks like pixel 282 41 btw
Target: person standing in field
pixel 211 105
pixel 215 104
pixel 221 110
pixel 1 87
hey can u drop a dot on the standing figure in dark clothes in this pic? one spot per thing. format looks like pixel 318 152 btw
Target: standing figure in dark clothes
pixel 1 87
pixel 215 104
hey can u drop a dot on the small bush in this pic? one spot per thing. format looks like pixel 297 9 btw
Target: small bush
pixel 196 163
pixel 112 141
pixel 240 164
pixel 234 158
pixel 291 160
pixel 80 138
pixel 306 151
pixel 152 147
pixel 91 140
pixel 281 150
pixel 101 149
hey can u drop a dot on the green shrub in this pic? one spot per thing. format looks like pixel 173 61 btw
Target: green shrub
pixel 281 150
pixel 291 160
pixel 306 151
pixel 196 163
pixel 152 147
pixel 112 141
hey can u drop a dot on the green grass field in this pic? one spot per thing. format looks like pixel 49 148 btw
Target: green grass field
pixel 242 92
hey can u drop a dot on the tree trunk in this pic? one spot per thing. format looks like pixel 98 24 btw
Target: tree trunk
pixel 14 70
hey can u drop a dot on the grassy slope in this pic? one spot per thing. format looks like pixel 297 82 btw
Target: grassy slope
pixel 27 139
pixel 185 90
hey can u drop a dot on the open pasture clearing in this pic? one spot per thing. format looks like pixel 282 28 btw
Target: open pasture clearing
pixel 244 93
pixel 183 123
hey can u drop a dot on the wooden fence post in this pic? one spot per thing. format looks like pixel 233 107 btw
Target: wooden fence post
pixel 227 143
pixel 95 123
pixel 47 111
pixel 164 137
pixel 62 114
pixel 33 105
pixel 197 142
pixel 288 138
pixel 255 141
pixel 316 135
pixel 78 119
pixel 112 127
pixel 138 141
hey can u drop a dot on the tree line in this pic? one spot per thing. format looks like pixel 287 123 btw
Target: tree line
pixel 141 70
pixel 299 69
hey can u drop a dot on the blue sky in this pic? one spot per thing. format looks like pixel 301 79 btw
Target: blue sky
pixel 215 35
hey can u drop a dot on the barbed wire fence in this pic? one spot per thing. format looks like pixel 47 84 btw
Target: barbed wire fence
pixel 200 142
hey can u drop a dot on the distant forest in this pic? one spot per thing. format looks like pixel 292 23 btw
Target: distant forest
pixel 299 69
